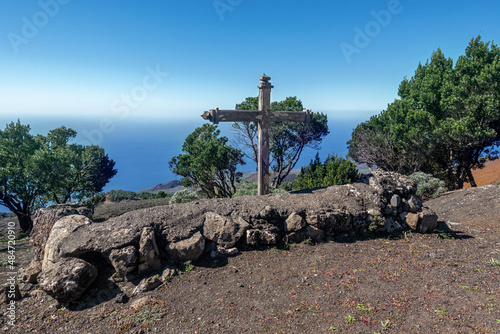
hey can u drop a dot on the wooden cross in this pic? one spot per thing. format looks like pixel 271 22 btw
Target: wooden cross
pixel 264 116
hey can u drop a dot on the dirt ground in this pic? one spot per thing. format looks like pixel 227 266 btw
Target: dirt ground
pixel 445 282
pixel 490 174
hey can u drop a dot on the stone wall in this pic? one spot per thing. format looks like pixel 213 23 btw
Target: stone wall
pixel 146 240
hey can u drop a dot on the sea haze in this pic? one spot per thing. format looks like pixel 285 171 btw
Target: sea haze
pixel 142 149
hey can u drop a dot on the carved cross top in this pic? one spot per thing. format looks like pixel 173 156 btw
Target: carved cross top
pixel 264 116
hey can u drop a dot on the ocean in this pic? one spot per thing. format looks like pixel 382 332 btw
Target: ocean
pixel 142 149
pixel 142 152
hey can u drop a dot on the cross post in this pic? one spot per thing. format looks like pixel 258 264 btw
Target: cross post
pixel 264 116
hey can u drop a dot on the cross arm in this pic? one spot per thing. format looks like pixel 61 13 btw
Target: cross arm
pixel 217 115
pixel 291 116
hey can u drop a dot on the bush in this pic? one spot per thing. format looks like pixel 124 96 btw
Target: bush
pixel 161 194
pixel 121 195
pixel 427 185
pixel 184 196
pixel 145 195
pixel 248 188
pixel 95 200
pixel 334 171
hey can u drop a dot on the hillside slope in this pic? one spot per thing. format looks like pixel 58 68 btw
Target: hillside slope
pixel 490 174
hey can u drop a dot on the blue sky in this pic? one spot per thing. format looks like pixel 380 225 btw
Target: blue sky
pixel 172 59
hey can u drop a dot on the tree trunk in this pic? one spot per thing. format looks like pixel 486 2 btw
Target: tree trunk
pixel 25 222
pixel 470 177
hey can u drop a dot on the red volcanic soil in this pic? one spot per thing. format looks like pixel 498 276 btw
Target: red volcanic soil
pixel 490 174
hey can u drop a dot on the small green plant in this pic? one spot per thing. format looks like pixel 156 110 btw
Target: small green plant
pixel 4 262
pixel 441 311
pixel 332 328
pixel 188 267
pixel 385 324
pixel 308 241
pixel 444 235
pixel 376 222
pixel 362 307
pixel 184 196
pixel 479 270
pixel 494 262
pixel 427 185
pixel 350 318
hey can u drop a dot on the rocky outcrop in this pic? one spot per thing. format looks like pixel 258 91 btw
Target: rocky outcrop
pixel 224 231
pixel 45 218
pixel 422 222
pixel 149 255
pixel 187 250
pixel 144 240
pixel 62 229
pixel 124 260
pixel 67 279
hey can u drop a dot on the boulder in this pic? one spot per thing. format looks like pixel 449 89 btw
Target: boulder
pixel 256 237
pixel 391 225
pixel 412 220
pixel 428 220
pixel 124 260
pixel 395 200
pixel 224 252
pixel 61 230
pixel 308 232
pixel 294 222
pixel 187 250
pixel 414 204
pixel 147 284
pixel 224 231
pixel 30 273
pixel 149 256
pixel 168 272
pixel 45 218
pixel 67 279
pixel 422 222
pixel 333 222
pixel 390 210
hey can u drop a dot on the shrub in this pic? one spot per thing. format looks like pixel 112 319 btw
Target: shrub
pixel 95 200
pixel 145 195
pixel 427 185
pixel 334 171
pixel 120 195
pixel 184 196
pixel 161 194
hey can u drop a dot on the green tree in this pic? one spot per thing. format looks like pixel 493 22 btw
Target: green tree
pixel 447 118
pixel 286 140
pixel 37 169
pixel 208 162
pixel 333 171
